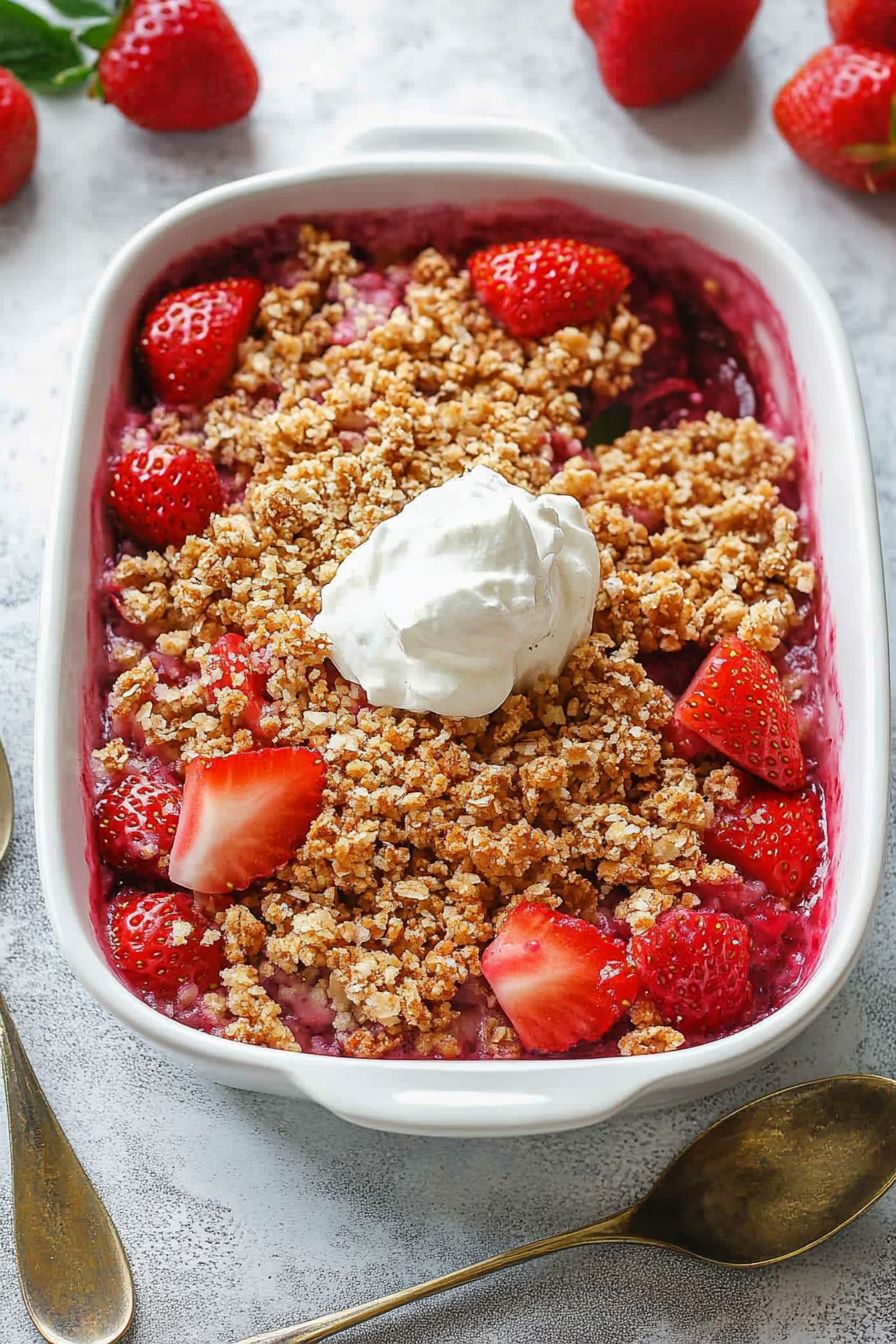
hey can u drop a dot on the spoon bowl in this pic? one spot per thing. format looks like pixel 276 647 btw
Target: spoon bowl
pixel 764 1184
pixel 778 1176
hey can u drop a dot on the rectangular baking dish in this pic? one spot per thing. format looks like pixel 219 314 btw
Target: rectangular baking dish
pixel 466 165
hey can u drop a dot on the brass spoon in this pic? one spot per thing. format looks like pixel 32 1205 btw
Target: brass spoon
pixel 766 1183
pixel 74 1274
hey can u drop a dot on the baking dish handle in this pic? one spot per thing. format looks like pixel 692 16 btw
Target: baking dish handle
pixel 465 1102
pixel 446 136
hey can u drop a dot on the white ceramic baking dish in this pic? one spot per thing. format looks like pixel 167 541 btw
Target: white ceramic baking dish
pixel 469 164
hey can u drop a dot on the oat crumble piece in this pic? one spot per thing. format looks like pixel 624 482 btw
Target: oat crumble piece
pixel 650 1041
pixel 433 828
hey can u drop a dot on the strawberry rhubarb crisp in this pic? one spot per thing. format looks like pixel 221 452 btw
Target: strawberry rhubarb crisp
pixel 462 697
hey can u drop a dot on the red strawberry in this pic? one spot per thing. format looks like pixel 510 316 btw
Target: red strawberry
pixel 536 288
pixel 557 978
pixel 773 837
pixel 136 822
pixel 228 667
pixel 178 65
pixel 191 339
pixel 695 968
pixel 18 136
pixel 871 21
pixel 164 494
pixel 157 942
pixel 652 51
pixel 244 816
pixel 737 703
pixel 838 113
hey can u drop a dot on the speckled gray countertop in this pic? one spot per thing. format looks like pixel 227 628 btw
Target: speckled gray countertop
pixel 244 1212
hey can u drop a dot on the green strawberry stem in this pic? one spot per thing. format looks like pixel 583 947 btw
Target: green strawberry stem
pixel 878 158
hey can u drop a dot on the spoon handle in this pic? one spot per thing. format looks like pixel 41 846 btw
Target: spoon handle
pixel 614 1229
pixel 72 1267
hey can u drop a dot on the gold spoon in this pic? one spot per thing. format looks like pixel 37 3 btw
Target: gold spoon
pixel 74 1274
pixel 766 1183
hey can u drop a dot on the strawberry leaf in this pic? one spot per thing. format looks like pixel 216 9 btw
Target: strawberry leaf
pixel 81 9
pixel 98 38
pixel 33 49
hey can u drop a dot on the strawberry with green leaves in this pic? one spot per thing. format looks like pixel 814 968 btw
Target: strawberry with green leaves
pixel 838 113
pixel 167 65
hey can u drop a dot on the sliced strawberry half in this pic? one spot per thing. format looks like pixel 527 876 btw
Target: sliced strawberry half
pixel 191 339
pixel 737 703
pixel 773 837
pixel 244 816
pixel 228 667
pixel 557 978
pixel 535 288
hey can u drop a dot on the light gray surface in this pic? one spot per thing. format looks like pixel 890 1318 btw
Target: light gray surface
pixel 239 1212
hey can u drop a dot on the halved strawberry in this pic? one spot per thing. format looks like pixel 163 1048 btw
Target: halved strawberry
pixel 537 287
pixel 160 941
pixel 228 667
pixel 736 702
pixel 244 816
pixel 557 978
pixel 695 968
pixel 771 836
pixel 136 821
pixel 165 493
pixel 191 339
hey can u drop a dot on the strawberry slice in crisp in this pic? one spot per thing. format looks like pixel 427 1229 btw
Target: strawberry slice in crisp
pixel 136 820
pixel 190 341
pixel 736 702
pixel 695 968
pixel 557 978
pixel 535 288
pixel 773 837
pixel 244 816
pixel 228 667
pixel 164 493
pixel 160 941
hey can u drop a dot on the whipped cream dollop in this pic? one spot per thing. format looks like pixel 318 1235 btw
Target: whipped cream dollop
pixel 473 591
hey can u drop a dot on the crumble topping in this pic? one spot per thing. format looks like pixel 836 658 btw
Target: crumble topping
pixel 433 828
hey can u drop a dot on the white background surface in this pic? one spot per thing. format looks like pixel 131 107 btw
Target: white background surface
pixel 242 1213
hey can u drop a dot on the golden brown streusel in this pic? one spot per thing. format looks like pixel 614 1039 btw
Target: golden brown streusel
pixel 433 828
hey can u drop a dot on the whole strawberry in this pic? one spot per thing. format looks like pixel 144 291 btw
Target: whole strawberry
pixel 160 941
pixel 191 339
pixel 18 136
pixel 838 113
pixel 178 65
pixel 535 288
pixel 871 21
pixel 695 968
pixel 136 821
pixel 654 51
pixel 163 494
